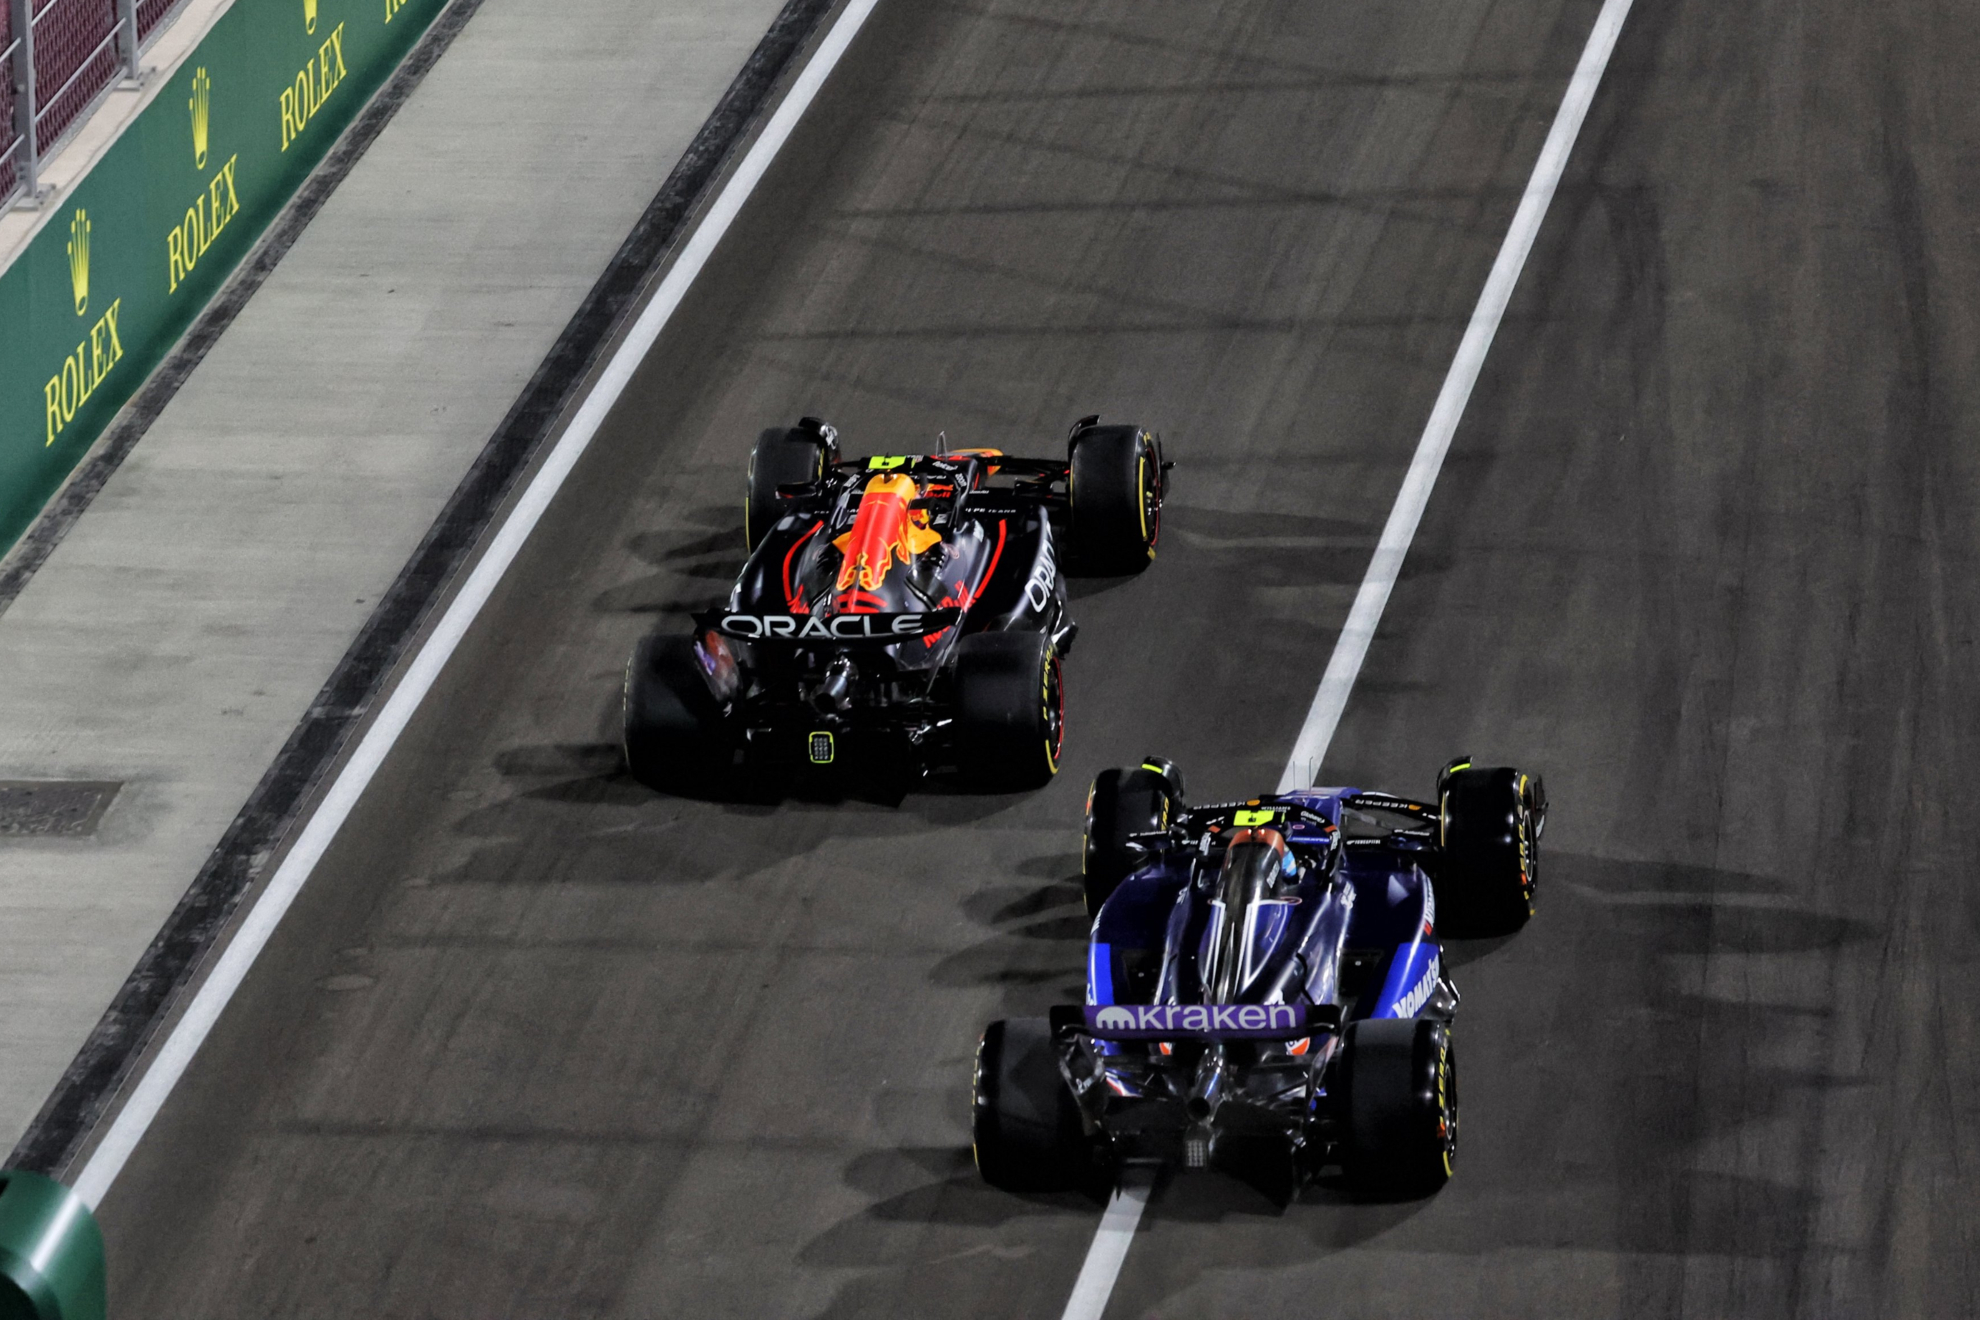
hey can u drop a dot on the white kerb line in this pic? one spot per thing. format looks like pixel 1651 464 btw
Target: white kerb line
pixel 1110 1243
pixel 1103 1259
pixel 150 1094
pixel 1351 648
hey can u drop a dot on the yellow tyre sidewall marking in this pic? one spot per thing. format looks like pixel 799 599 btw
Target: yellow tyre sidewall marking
pixel 1045 707
pixel 1144 488
pixel 1448 1118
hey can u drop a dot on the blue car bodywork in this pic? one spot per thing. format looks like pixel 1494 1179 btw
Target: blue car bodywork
pixel 1332 921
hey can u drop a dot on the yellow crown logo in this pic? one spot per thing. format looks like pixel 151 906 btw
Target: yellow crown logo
pixel 201 106
pixel 79 259
pixel 309 15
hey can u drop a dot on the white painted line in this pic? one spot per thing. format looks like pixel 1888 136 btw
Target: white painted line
pixel 232 968
pixel 1310 748
pixel 1110 1244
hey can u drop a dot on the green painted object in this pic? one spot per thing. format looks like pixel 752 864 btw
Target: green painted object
pixel 131 253
pixel 51 1252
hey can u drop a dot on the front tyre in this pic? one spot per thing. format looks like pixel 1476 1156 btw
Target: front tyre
pixel 1115 490
pixel 1025 1128
pixel 782 457
pixel 674 733
pixel 1488 826
pixel 1121 804
pixel 1010 708
pixel 1397 1089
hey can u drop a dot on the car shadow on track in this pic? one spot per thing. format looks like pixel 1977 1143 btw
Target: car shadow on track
pixel 936 1240
pixel 1457 953
pixel 1323 1208
pixel 568 811
pixel 933 1228
pixel 704 550
pixel 601 777
pixel 1036 956
pixel 943 799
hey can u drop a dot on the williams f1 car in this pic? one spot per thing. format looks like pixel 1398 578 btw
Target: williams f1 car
pixel 910 607
pixel 1264 982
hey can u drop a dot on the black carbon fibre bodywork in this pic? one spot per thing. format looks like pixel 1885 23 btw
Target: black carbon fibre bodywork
pixel 849 625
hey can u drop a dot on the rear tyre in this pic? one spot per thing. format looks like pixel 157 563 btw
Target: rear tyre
pixel 1489 836
pixel 1171 775
pixel 1115 489
pixel 1398 1095
pixel 1121 804
pixel 1010 708
pixel 1025 1128
pixel 781 457
pixel 675 734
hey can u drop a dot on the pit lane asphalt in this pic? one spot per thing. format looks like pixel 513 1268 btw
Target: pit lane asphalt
pixel 536 1041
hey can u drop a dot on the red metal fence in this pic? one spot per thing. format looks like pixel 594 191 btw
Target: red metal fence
pixel 78 48
pixel 10 147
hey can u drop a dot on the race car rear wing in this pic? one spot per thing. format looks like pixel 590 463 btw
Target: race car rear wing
pixel 1195 1021
pixel 1043 479
pixel 827 629
pixel 1023 467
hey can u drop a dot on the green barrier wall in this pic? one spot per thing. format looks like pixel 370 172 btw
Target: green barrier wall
pixel 134 252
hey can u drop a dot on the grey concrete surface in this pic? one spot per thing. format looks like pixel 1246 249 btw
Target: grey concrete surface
pixel 536 1041
pixel 183 626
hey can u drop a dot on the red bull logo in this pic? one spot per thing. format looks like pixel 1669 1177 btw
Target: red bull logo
pixel 885 531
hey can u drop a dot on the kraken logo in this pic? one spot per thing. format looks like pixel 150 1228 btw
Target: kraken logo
pixel 309 15
pixel 79 259
pixel 1115 1019
pixel 201 106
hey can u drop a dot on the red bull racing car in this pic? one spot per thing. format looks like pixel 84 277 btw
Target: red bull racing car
pixel 1265 985
pixel 909 609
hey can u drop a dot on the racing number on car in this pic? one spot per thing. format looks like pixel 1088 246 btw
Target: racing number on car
pixel 885 462
pixel 1245 819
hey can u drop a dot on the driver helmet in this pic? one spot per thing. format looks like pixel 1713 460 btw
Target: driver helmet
pixel 1257 865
